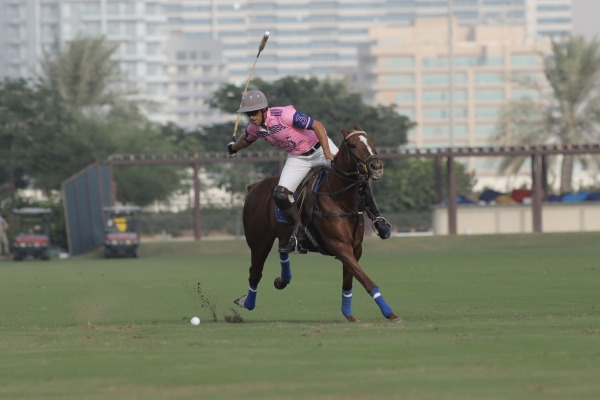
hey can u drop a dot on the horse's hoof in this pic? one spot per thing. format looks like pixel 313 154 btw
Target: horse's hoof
pixel 240 301
pixel 394 318
pixel 279 284
pixel 351 318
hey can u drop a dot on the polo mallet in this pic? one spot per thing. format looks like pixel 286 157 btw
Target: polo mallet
pixel 261 46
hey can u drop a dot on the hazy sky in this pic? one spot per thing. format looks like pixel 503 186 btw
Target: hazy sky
pixel 586 15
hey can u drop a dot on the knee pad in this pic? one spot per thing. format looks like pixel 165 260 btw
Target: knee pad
pixel 283 197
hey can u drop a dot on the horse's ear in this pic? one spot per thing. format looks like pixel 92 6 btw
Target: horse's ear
pixel 357 128
pixel 345 132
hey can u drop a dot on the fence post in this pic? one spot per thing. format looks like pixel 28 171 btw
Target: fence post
pixel 536 178
pixel 197 208
pixel 451 197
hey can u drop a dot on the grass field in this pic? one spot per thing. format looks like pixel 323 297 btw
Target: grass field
pixel 485 317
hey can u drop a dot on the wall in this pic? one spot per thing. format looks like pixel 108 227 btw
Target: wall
pixel 517 218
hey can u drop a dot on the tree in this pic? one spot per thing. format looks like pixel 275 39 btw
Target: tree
pixel 87 77
pixel 144 184
pixel 35 136
pixel 408 185
pixel 331 102
pixel 106 121
pixel 82 72
pixel 328 101
pixel 572 114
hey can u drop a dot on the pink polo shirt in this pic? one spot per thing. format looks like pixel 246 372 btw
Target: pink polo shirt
pixel 287 130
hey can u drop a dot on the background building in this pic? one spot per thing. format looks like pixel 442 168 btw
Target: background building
pixel 317 38
pixel 137 26
pixel 196 70
pixel 320 38
pixel 492 65
pixel 26 27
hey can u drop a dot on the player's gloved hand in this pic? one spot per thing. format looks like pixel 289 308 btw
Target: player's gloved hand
pixel 328 160
pixel 230 149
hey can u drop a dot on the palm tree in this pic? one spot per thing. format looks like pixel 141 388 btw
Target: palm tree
pixel 569 115
pixel 82 72
pixel 86 76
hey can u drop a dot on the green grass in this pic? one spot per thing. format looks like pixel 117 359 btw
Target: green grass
pixel 485 317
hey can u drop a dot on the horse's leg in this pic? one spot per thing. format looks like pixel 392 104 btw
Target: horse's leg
pixel 286 273
pixel 351 265
pixel 347 280
pixel 347 296
pixel 260 229
pixel 260 252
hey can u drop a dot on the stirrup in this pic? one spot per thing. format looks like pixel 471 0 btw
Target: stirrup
pixel 293 246
pixel 382 227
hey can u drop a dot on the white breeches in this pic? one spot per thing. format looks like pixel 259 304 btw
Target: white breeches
pixel 296 167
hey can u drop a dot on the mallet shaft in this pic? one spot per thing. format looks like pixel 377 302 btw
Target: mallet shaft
pixel 261 47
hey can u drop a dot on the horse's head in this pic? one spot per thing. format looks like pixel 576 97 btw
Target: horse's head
pixel 359 150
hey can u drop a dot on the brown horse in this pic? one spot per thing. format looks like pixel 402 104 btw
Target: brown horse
pixel 336 227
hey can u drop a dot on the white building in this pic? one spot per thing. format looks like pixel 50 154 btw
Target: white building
pixel 317 38
pixel 196 70
pixel 492 65
pixel 137 26
pixel 320 38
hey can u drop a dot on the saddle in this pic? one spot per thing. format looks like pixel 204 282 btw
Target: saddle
pixel 306 197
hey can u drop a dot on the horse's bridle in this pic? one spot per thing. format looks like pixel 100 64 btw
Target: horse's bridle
pixel 362 166
pixel 362 171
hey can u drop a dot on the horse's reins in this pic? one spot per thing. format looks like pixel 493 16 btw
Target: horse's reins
pixel 364 175
pixel 362 180
pixel 362 168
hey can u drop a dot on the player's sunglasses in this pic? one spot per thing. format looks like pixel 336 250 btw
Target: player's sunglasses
pixel 252 113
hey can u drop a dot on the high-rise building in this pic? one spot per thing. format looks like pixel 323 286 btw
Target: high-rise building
pixel 196 70
pixel 26 28
pixel 491 65
pixel 137 26
pixel 320 38
pixel 550 17
pixel 308 37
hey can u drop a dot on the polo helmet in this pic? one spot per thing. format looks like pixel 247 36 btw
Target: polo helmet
pixel 253 100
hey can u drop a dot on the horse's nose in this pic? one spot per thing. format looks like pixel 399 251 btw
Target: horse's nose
pixel 376 168
pixel 375 164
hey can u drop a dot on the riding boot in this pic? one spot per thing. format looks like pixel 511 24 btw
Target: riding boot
pixel 290 212
pixel 380 225
pixel 296 243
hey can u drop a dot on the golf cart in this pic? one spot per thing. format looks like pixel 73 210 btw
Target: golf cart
pixel 121 235
pixel 33 237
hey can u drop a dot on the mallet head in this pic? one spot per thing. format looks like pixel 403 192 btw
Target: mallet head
pixel 263 42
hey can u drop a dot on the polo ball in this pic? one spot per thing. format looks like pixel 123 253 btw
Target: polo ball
pixel 195 321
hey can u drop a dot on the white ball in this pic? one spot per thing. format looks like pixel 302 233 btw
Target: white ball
pixel 195 321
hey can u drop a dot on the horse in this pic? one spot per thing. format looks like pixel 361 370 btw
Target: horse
pixel 336 228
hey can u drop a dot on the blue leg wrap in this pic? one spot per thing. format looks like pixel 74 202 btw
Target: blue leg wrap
pixel 286 272
pixel 347 302
pixel 385 309
pixel 250 301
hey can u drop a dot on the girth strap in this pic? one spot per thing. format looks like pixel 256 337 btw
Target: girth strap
pixel 333 214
